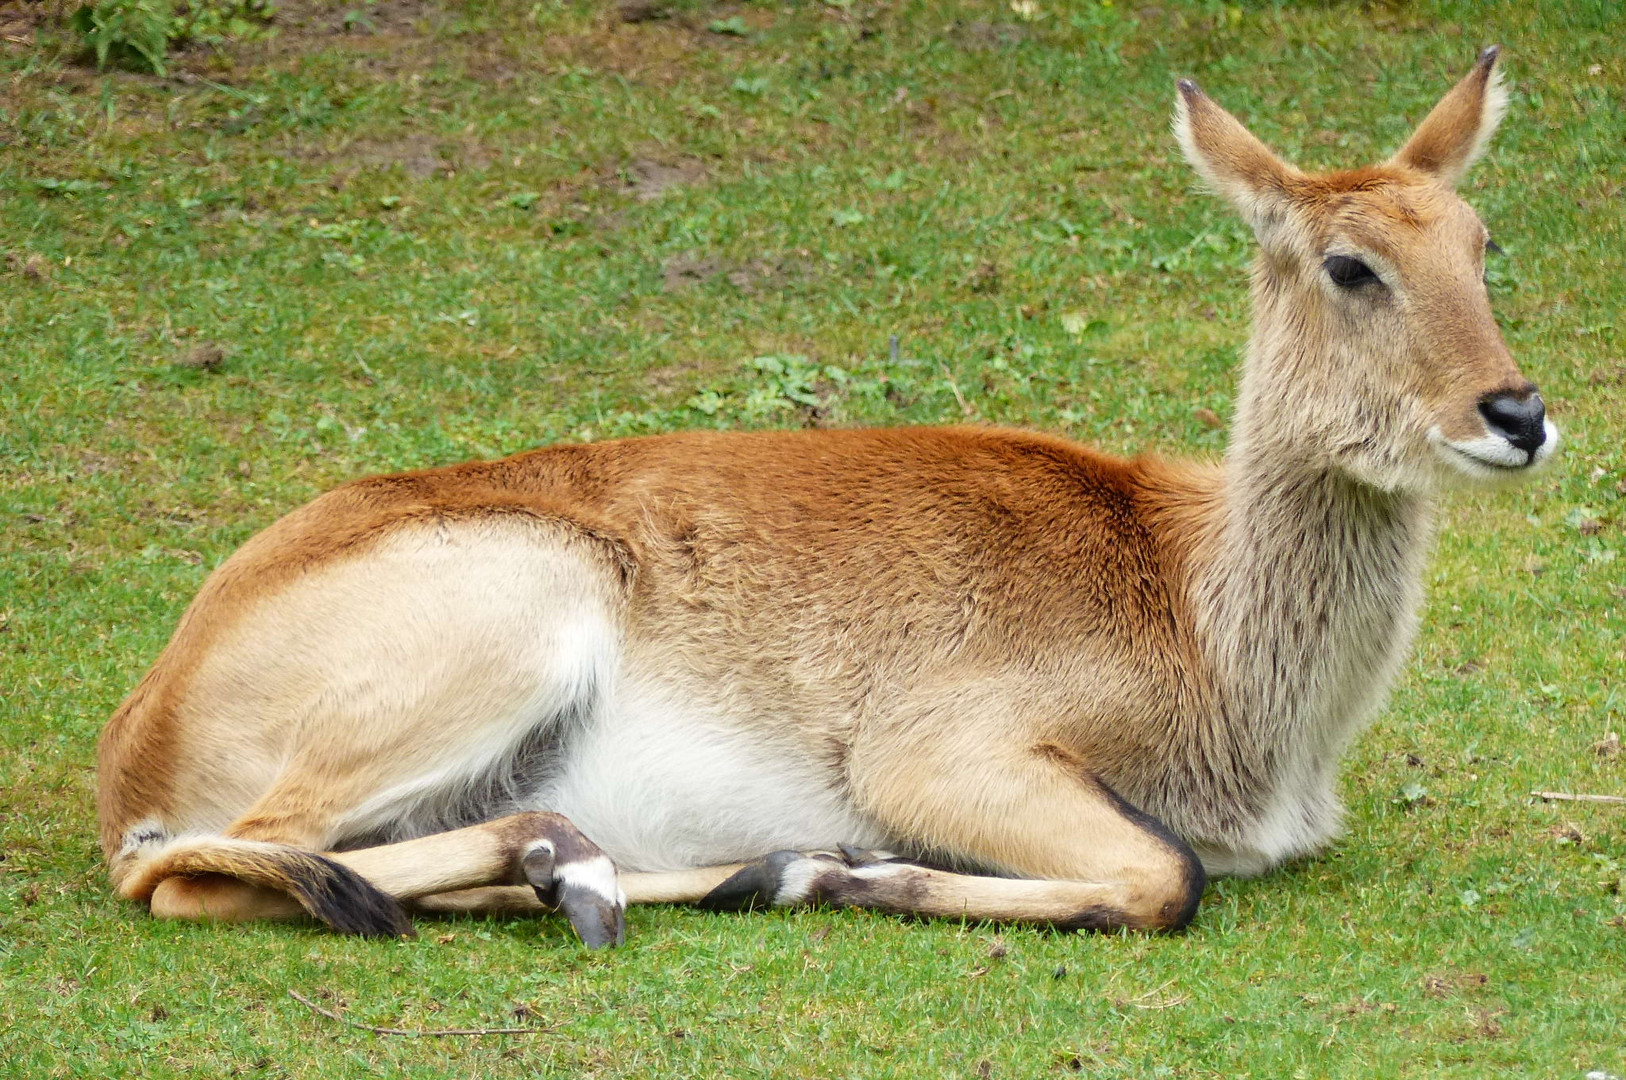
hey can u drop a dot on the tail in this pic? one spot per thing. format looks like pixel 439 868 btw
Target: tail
pixel 329 891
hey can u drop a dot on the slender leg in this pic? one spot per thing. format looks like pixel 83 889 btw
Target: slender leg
pixel 665 887
pixel 1078 855
pixel 561 869
pixel 565 871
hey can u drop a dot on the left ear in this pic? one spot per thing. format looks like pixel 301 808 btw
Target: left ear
pixel 1451 138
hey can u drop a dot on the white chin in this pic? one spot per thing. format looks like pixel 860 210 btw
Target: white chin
pixel 1491 458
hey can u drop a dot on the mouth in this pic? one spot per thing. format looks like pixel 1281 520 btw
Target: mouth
pixel 1491 463
pixel 1491 455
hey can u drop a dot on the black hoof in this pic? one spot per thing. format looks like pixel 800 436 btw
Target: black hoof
pixel 752 888
pixel 585 892
pixel 857 857
pixel 599 922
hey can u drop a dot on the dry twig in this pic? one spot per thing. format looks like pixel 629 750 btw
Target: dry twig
pixel 1150 1000
pixel 966 408
pixel 1565 796
pixel 421 1033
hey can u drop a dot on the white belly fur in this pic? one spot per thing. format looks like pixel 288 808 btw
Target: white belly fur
pixel 660 784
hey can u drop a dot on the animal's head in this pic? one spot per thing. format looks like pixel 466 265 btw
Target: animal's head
pixel 1375 345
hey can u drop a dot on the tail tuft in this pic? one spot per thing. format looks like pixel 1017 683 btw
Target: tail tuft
pixel 345 900
pixel 329 891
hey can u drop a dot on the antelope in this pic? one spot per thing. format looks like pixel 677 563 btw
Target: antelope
pixel 962 672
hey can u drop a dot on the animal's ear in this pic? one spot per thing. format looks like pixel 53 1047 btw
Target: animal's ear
pixel 1233 161
pixel 1451 138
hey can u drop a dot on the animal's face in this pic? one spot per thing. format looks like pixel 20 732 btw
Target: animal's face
pixel 1376 336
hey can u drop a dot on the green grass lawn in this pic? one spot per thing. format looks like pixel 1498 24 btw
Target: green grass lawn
pixel 424 233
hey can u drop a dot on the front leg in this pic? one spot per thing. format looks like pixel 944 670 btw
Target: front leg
pixel 974 791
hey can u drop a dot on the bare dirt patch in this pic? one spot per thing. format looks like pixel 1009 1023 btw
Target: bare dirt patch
pixel 416 155
pixel 982 35
pixel 640 11
pixel 1486 1025
pixel 1447 983
pixel 301 19
pixel 647 179
pixel 649 42
pixel 671 378
pixel 204 356
pixel 19 21
pixel 752 276
pixel 686 271
pixel 655 52
pixel 419 156
pixel 27 265
pixel 381 38
pixel 1608 747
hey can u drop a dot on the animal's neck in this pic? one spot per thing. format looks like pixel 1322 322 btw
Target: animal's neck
pixel 1307 600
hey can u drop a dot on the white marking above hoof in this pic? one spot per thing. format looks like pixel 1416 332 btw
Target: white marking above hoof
pixel 797 879
pixel 597 875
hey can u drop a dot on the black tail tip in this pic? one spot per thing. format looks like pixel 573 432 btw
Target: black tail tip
pixel 348 902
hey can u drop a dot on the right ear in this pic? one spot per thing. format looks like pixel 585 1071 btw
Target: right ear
pixel 1233 162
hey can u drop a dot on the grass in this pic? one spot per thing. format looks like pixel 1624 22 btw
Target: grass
pixel 405 234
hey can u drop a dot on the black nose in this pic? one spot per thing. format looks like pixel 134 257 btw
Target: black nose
pixel 1518 418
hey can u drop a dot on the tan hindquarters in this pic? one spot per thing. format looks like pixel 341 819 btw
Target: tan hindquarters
pixel 383 693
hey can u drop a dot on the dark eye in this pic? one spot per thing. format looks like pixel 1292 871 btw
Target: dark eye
pixel 1347 272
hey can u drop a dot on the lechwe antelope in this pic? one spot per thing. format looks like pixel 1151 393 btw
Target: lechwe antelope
pixel 1060 686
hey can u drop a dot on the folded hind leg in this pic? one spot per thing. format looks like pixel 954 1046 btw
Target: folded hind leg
pixel 219 898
